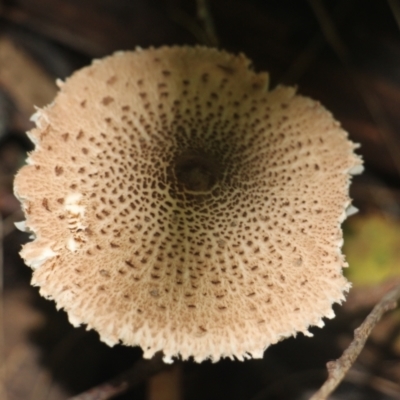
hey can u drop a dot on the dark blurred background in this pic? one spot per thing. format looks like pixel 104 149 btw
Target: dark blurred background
pixel 345 53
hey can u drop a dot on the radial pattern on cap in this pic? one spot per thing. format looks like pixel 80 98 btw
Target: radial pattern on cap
pixel 178 205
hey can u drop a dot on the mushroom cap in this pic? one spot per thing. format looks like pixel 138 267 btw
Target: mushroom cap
pixel 178 205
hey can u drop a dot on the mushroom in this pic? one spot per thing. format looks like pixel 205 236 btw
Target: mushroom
pixel 178 205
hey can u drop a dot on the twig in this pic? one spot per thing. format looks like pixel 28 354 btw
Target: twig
pixel 307 56
pixel 395 7
pixel 204 15
pixel 200 26
pixel 385 386
pixel 339 368
pixel 23 79
pixel 189 23
pixel 371 102
pixel 167 385
pixel 142 370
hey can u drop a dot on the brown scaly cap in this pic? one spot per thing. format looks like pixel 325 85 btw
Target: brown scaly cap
pixel 179 205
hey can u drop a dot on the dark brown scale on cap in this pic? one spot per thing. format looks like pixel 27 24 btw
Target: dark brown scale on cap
pixel 185 208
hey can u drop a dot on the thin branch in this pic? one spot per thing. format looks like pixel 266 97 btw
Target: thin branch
pixel 329 30
pixel 189 23
pixel 200 26
pixel 23 79
pixel 142 370
pixel 395 7
pixel 204 15
pixel 167 385
pixel 370 100
pixel 339 368
pixel 308 55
